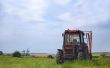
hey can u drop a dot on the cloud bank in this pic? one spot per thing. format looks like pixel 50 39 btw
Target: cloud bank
pixel 38 24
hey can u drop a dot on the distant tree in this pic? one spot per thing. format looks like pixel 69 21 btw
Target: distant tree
pixel 27 52
pixel 16 54
pixel 23 53
pixel 1 53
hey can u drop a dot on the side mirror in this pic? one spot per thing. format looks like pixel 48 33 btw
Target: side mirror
pixel 86 35
pixel 62 34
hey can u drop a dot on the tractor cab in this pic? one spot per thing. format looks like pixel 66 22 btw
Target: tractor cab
pixel 73 37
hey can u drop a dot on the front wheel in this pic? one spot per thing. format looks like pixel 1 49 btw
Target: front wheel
pixel 80 55
pixel 59 57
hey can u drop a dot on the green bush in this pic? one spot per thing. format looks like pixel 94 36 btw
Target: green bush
pixel 8 54
pixel 103 55
pixel 50 56
pixel 16 54
pixel 1 53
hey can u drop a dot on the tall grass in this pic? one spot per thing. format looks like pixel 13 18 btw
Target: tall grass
pixel 29 62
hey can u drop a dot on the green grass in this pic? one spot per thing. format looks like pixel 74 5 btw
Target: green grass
pixel 29 62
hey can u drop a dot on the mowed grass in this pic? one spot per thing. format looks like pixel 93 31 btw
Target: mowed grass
pixel 29 62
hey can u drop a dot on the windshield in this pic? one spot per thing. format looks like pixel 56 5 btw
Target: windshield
pixel 72 39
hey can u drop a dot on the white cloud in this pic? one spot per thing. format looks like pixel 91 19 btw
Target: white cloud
pixel 65 16
pixel 62 2
pixel 89 12
pixel 26 9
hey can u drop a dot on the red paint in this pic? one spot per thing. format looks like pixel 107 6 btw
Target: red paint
pixel 71 31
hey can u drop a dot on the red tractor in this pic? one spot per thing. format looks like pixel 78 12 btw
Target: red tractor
pixel 76 45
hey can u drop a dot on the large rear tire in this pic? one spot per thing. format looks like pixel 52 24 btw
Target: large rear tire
pixel 59 57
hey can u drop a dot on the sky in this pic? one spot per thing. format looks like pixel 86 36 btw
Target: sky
pixel 38 25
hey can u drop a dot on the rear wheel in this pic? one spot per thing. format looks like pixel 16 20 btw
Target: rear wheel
pixel 59 57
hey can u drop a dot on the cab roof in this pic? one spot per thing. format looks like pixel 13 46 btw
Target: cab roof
pixel 73 31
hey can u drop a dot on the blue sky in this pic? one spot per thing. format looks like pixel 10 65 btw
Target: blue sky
pixel 38 24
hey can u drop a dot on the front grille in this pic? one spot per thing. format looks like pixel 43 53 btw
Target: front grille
pixel 68 51
pixel 68 56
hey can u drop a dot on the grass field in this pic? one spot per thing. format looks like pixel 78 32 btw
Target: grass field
pixel 29 62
